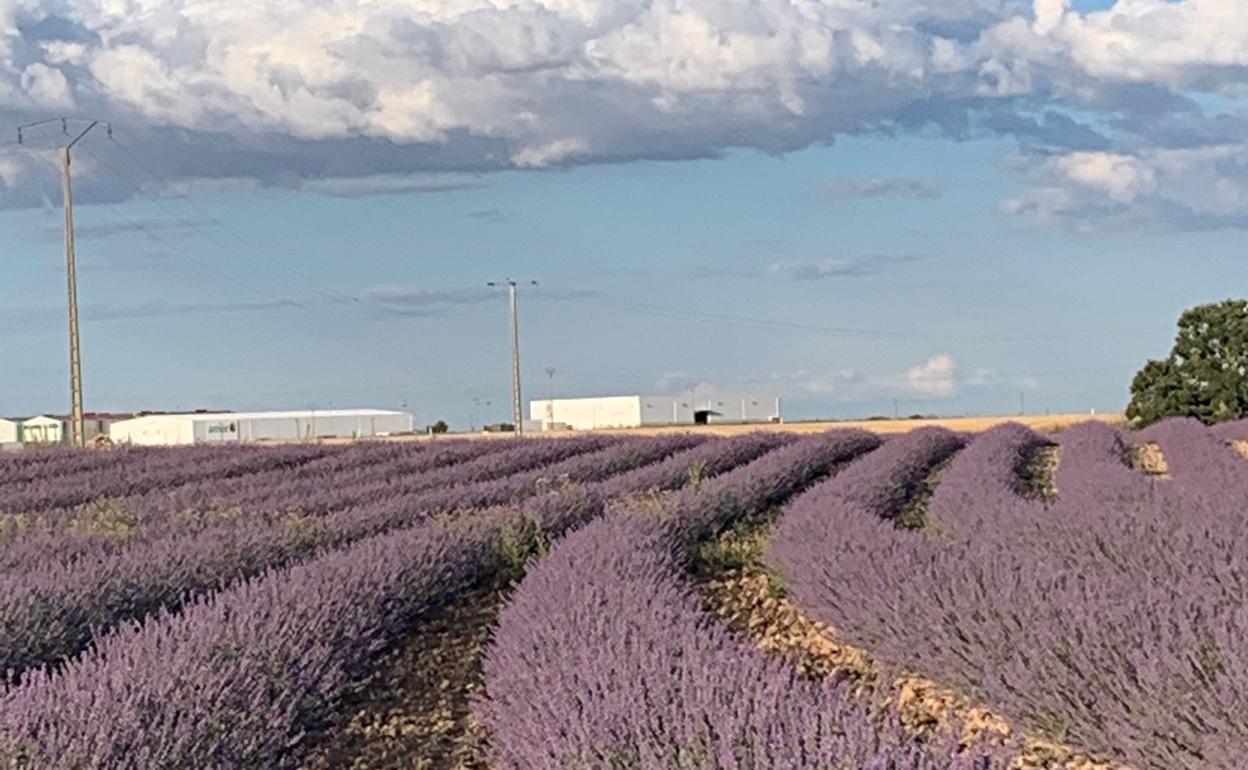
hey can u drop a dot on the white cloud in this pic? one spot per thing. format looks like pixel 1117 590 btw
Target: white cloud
pixel 834 267
pixel 1122 177
pixel 306 89
pixel 1186 188
pixel 934 378
pixel 46 86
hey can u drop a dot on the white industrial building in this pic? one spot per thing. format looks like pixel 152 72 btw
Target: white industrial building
pixel 639 411
pixel 222 427
pixel 8 432
pixel 41 430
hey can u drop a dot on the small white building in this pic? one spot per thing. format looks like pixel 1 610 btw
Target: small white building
pixel 639 411
pixel 222 427
pixel 8 432
pixel 41 430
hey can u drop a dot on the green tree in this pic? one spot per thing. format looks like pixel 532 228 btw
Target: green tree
pixel 439 427
pixel 1205 375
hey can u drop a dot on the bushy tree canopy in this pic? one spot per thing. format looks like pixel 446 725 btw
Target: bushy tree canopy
pixel 1205 375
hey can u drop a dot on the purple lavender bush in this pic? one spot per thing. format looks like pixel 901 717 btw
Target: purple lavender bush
pixel 237 678
pixel 1200 462
pixel 603 659
pixel 699 513
pixel 985 478
pixel 1107 623
pixel 150 470
pixel 705 461
pixel 1235 430
pixel 51 613
pixel 875 490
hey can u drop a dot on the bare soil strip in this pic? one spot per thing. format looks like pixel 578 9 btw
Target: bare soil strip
pixel 415 713
pixel 733 583
pixel 1148 458
pixel 1038 480
pixel 913 515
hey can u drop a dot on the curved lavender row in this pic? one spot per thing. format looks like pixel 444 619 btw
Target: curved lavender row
pixel 845 563
pixel 698 513
pixel 981 487
pixel 807 547
pixel 94 531
pixel 237 677
pixel 1109 626
pixel 602 658
pixel 1199 461
pixel 1094 468
pixel 156 471
pixel 706 461
pixel 1235 430
pixel 52 613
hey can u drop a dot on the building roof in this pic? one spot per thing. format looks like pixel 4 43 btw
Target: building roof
pixel 41 419
pixel 216 416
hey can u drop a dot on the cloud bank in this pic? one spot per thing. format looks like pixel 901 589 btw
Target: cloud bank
pixel 1134 112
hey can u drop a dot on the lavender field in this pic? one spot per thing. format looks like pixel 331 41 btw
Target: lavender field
pixel 837 601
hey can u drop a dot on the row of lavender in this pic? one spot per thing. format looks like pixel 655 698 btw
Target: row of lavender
pixel 1111 619
pixel 52 609
pixel 604 658
pixel 238 676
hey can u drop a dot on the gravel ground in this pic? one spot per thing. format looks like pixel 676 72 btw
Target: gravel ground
pixel 415 714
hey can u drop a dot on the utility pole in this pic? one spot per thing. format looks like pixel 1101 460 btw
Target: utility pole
pixel 71 269
pixel 517 407
pixel 1022 403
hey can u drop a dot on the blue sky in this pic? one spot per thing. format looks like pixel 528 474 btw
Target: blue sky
pixel 1045 250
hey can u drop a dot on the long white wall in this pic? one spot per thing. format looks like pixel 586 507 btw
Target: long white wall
pixel 636 411
pixel 589 413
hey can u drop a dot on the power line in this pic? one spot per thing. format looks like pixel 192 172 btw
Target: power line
pixel 191 225
pixel 317 285
pixel 660 311
pixel 137 225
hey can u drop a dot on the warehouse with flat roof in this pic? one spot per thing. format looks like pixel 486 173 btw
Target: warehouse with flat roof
pixel 226 427
pixel 640 411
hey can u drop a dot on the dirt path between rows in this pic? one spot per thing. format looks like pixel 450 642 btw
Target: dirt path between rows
pixel 415 713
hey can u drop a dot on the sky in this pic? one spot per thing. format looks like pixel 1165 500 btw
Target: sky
pixel 938 207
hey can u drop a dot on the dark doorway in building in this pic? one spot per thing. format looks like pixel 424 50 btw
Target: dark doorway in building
pixel 703 416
